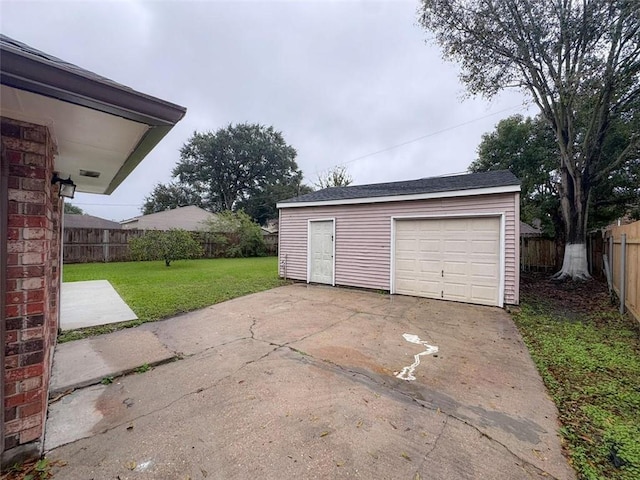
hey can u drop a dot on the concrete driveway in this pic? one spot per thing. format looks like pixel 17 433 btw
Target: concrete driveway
pixel 300 382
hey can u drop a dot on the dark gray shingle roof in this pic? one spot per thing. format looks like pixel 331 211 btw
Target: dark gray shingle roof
pixel 72 220
pixel 30 69
pixel 8 42
pixel 500 178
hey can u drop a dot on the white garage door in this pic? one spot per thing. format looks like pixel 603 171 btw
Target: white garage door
pixel 452 259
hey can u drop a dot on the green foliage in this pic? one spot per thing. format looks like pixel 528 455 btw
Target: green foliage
pixel 170 196
pixel 170 245
pixel 335 177
pixel 245 166
pixel 237 235
pixel 193 284
pixel 527 147
pixel 591 367
pixel 580 64
pixel 69 208
pixel 30 470
pixel 107 380
pixel 143 368
pixel 260 205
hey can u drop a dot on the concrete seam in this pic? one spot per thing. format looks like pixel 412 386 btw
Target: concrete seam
pixel 437 409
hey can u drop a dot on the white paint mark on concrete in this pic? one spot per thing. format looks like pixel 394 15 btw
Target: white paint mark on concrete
pixel 407 372
pixel 141 467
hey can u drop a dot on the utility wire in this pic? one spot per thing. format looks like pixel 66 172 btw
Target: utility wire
pixel 431 134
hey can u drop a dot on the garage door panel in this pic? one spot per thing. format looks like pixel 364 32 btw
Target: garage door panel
pixel 454 268
pixel 457 290
pixel 435 226
pixel 484 295
pixel 408 245
pixel 481 271
pixel 455 259
pixel 456 246
pixel 483 246
pixel 429 268
pixel 430 245
pixel 406 265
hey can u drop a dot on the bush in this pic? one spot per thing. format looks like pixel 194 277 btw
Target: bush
pixel 237 235
pixel 175 244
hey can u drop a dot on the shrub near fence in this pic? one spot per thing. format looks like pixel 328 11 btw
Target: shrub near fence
pixel 88 245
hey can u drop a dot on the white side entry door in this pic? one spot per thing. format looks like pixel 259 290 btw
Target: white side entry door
pixel 321 251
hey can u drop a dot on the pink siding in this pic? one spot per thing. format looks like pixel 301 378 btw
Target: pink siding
pixel 363 237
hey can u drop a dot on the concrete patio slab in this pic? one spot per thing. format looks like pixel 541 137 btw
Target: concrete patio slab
pixel 91 303
pixel 300 382
pixel 86 362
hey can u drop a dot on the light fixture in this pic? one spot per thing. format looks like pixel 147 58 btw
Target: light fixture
pixel 67 187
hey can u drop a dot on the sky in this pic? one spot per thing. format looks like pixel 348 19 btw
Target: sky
pixel 352 83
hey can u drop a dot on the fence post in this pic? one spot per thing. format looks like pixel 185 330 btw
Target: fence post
pixel 611 254
pixel 623 270
pixel 105 245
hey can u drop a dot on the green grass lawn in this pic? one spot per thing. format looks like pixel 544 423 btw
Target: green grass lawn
pixel 589 358
pixel 154 291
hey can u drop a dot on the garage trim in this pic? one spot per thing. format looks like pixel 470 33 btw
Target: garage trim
pixel 292 203
pixel 500 215
pixel 333 223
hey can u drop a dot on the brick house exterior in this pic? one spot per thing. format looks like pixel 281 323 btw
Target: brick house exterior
pixel 32 278
pixel 56 118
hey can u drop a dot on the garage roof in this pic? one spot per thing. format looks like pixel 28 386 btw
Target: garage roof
pixel 102 129
pixel 500 181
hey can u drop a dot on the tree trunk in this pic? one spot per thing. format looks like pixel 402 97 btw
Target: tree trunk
pixel 574 194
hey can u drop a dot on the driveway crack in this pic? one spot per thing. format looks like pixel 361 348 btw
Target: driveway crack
pixel 435 443
pixel 391 389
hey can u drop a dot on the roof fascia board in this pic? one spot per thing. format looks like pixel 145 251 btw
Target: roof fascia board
pixel 45 78
pixel 149 140
pixel 403 198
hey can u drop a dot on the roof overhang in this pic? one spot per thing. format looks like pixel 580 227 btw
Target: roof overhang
pixel 99 126
pixel 404 198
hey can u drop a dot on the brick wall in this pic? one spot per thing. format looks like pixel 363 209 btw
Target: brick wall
pixel 32 284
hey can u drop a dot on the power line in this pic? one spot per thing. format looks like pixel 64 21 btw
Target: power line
pixel 430 134
pixel 108 204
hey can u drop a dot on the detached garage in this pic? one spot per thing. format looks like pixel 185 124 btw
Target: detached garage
pixel 451 238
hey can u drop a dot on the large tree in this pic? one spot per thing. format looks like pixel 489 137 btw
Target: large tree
pixel 169 196
pixel 580 63
pixel 260 205
pixel 73 209
pixel 527 147
pixel 243 166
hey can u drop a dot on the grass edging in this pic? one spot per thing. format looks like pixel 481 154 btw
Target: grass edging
pixel 590 364
pixel 155 292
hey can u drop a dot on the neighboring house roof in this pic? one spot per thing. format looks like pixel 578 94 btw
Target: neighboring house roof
pixel 190 218
pixel 433 187
pixel 74 220
pixel 271 226
pixel 102 128
pixel 527 230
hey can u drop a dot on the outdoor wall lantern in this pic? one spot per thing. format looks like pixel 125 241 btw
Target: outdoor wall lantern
pixel 67 187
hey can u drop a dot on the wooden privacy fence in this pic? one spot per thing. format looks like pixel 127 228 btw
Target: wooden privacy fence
pixel 624 263
pixel 86 245
pixel 537 254
pixel 540 254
